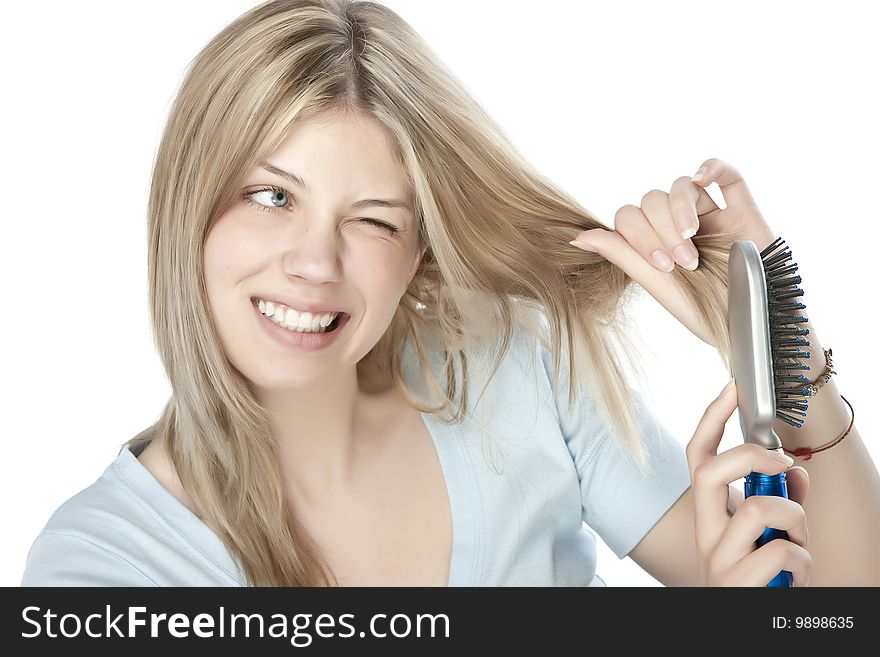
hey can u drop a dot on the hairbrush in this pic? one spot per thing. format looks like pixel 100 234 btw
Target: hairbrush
pixel 765 321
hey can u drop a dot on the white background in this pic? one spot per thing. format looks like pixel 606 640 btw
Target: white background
pixel 608 99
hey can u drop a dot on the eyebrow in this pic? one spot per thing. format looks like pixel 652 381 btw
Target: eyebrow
pixel 363 203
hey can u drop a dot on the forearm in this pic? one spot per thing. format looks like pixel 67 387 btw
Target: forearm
pixel 843 502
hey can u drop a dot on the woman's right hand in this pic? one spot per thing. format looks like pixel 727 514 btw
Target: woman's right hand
pixel 726 541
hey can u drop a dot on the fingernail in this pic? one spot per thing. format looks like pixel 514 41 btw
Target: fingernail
pixel 698 176
pixel 781 457
pixel 687 224
pixel 662 260
pixel 685 256
pixel 583 245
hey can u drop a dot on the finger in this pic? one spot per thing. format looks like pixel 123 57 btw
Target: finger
pixel 703 445
pixel 711 480
pixel 725 175
pixel 754 515
pixel 710 503
pixel 797 481
pixel 687 203
pixel 737 462
pixel 655 206
pixel 632 223
pixel 762 565
pixel 615 248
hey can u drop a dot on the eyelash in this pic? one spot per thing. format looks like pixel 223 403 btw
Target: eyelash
pixel 393 230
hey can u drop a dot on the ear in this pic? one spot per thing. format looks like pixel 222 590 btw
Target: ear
pixel 416 263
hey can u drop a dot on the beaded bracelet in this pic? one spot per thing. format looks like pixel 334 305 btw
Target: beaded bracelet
pixel 825 376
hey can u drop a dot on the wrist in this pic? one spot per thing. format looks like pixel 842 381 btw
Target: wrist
pixel 807 453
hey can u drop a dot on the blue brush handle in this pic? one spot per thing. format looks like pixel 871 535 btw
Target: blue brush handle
pixel 758 483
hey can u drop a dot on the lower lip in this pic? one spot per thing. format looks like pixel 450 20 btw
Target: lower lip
pixel 295 340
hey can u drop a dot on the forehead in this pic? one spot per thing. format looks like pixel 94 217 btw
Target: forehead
pixel 354 149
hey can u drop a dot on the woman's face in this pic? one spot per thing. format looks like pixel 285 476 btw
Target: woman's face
pixel 299 247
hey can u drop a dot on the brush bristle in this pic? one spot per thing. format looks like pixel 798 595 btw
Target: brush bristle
pixel 791 390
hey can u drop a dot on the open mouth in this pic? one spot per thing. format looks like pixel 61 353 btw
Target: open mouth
pixel 340 319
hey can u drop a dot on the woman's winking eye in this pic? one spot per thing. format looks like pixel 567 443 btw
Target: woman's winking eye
pixel 280 194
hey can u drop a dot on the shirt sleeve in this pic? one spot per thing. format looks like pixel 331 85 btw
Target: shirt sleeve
pixel 59 559
pixel 619 502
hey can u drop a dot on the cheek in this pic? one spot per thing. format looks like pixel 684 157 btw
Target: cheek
pixel 382 271
pixel 217 264
pixel 229 250
pixel 382 277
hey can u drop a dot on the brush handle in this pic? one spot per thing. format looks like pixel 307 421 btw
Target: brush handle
pixel 758 483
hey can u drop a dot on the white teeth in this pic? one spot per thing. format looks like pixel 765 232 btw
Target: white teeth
pixel 289 318
pixel 300 320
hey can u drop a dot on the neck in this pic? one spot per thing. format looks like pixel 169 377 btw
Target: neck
pixel 327 430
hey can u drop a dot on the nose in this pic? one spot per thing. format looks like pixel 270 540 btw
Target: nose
pixel 311 254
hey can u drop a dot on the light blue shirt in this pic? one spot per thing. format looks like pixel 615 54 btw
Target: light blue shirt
pixel 525 500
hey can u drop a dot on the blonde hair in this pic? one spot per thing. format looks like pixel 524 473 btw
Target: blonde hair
pixel 497 234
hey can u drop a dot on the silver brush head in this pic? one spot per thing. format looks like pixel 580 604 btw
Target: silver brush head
pixel 749 325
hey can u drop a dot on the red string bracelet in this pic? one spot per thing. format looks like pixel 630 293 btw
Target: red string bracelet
pixel 806 453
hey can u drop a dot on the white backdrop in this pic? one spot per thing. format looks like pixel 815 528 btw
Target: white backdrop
pixel 608 99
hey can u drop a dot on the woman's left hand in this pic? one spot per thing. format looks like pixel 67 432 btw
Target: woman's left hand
pixel 647 239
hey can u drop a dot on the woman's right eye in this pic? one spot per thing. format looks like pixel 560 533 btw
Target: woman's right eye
pixel 274 195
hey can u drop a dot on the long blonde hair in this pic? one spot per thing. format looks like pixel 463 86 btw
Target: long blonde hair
pixel 497 234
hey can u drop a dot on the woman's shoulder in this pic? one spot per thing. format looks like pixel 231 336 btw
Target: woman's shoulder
pixel 125 529
pixel 83 543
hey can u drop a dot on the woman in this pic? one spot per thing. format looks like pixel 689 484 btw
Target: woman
pixel 389 366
